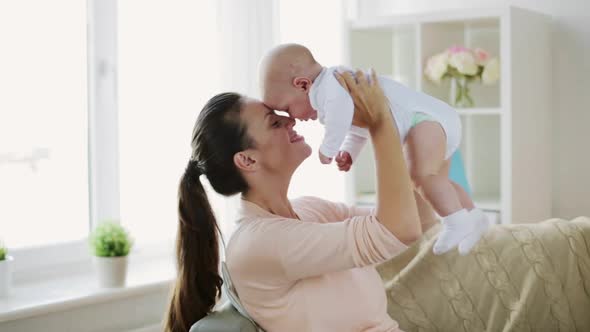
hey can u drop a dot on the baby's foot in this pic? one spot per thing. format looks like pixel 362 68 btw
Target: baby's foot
pixel 456 227
pixel 482 224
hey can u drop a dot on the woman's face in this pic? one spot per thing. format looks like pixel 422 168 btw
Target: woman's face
pixel 278 147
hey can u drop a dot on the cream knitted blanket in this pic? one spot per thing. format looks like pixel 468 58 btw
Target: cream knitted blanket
pixel 521 277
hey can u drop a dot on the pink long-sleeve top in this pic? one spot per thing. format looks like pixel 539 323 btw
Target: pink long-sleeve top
pixel 312 274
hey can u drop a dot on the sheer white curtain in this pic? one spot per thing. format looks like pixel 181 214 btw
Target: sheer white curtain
pixel 320 26
pixel 168 69
pixel 247 29
pixel 173 57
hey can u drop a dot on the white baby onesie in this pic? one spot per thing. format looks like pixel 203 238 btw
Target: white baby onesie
pixel 335 109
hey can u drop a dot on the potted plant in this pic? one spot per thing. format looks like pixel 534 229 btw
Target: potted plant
pixel 5 271
pixel 110 244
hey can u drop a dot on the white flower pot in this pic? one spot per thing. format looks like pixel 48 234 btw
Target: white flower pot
pixel 111 271
pixel 6 276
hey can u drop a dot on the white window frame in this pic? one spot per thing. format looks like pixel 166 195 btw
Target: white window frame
pixel 103 153
pixel 103 122
pixel 103 134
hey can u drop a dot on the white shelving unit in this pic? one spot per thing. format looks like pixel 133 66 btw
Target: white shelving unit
pixel 506 137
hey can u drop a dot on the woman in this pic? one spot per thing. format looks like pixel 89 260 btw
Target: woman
pixel 300 265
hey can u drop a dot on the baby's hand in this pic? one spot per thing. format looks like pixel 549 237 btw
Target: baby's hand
pixel 324 159
pixel 344 161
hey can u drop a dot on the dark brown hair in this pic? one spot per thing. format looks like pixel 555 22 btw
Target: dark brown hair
pixel 218 135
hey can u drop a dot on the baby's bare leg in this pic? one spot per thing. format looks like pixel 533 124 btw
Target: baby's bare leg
pixel 463 196
pixel 476 216
pixel 425 152
pixel 427 216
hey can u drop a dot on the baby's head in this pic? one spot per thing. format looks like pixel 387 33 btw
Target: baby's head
pixel 286 74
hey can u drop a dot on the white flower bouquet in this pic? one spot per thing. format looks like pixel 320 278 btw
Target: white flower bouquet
pixel 462 65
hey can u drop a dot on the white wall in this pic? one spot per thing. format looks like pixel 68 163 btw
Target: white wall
pixel 571 74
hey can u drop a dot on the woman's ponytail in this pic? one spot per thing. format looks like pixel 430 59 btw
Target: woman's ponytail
pixel 198 283
pixel 217 136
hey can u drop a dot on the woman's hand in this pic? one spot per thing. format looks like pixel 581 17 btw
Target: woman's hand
pixel 370 103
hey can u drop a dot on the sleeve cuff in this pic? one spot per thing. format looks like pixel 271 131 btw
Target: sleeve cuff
pixel 327 151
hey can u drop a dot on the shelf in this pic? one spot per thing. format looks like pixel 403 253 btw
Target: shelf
pixel 366 199
pixel 481 151
pixel 484 202
pixel 487 202
pixel 479 111
pixel 435 16
pixel 496 135
pixel 392 52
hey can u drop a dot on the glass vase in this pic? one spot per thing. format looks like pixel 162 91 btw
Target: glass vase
pixel 460 96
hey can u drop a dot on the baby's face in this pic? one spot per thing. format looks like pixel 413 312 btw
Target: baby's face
pixel 295 103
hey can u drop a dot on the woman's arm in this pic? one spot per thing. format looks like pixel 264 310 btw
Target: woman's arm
pixel 396 206
pixel 293 249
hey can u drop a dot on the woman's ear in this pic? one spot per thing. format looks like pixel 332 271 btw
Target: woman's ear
pixel 246 161
pixel 302 83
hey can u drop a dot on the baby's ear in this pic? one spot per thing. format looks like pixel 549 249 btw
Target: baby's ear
pixel 302 83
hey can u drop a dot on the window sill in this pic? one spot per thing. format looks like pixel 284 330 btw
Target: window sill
pixel 69 290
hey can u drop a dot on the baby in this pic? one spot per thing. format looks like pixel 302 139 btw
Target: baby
pixel 294 82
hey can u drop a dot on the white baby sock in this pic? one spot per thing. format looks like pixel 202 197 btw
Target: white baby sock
pixel 482 224
pixel 455 228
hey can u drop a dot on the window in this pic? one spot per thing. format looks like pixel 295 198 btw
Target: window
pixel 167 60
pixel 167 64
pixel 43 122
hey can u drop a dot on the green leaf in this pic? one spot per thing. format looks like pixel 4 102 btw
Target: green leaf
pixel 110 239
